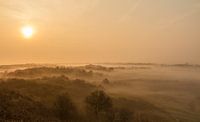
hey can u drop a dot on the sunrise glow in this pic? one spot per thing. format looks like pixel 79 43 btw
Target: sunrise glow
pixel 27 31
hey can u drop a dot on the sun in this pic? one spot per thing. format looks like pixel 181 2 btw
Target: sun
pixel 27 31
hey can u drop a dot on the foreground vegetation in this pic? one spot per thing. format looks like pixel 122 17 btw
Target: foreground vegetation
pixel 62 99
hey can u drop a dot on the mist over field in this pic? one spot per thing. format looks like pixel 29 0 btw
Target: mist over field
pixel 140 92
pixel 76 61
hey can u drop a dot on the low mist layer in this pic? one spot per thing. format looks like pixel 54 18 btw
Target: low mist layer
pixel 136 92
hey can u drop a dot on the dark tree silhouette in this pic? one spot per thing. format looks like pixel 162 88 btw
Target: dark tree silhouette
pixel 65 109
pixel 99 105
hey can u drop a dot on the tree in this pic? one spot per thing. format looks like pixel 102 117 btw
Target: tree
pixel 105 81
pixel 99 105
pixel 65 109
pixel 17 107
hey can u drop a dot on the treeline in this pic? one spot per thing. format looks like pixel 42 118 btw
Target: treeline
pixel 98 68
pixel 51 71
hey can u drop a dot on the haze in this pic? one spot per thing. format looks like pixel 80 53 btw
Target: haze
pixel 160 31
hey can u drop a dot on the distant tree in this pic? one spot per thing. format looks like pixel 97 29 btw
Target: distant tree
pixel 65 110
pixel 99 105
pixel 105 81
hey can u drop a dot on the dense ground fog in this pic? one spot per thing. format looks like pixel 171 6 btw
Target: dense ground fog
pixel 141 92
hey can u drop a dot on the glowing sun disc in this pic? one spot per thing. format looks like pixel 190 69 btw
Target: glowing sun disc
pixel 27 31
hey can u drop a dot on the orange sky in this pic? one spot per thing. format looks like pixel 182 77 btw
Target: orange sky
pixel 160 31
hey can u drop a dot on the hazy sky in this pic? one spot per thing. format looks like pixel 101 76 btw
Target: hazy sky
pixel 160 31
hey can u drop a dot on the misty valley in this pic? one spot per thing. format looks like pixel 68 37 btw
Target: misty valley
pixel 99 61
pixel 119 92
